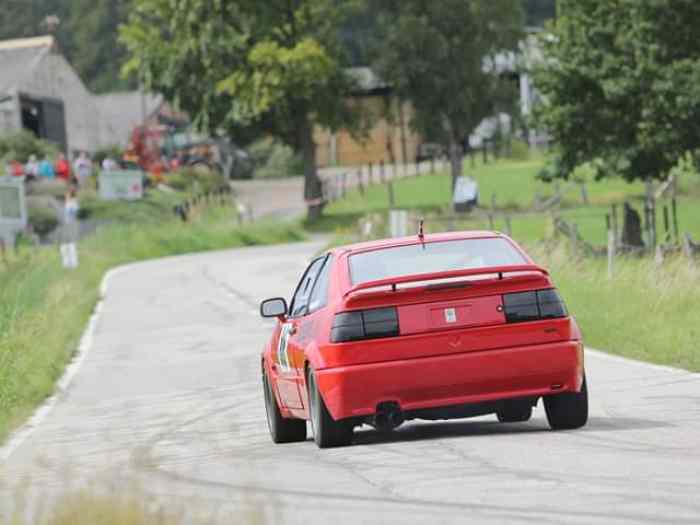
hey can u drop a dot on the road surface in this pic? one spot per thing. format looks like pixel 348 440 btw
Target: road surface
pixel 284 198
pixel 169 399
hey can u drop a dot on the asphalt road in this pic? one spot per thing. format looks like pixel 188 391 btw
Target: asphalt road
pixel 168 400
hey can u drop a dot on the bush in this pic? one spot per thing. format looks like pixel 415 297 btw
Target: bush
pixel 114 152
pixel 199 181
pixel 47 188
pixel 22 144
pixel 42 218
pixel 272 159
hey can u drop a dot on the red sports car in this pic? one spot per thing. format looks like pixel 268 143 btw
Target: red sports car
pixel 428 327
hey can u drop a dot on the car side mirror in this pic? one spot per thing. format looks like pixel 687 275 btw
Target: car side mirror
pixel 276 307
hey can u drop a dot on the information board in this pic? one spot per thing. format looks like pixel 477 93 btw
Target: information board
pixel 13 208
pixel 121 185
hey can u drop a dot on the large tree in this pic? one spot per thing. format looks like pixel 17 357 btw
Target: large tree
pixel 247 68
pixel 620 83
pixel 445 58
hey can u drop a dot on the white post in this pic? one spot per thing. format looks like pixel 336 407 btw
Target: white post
pixel 611 253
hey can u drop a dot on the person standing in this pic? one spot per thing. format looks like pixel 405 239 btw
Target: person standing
pixel 82 168
pixel 69 247
pixel 62 168
pixel 46 170
pixel 17 170
pixel 31 169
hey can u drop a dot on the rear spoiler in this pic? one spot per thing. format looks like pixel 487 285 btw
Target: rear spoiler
pixel 394 281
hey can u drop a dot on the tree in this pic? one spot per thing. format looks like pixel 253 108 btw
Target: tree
pixel 444 58
pixel 621 85
pixel 247 68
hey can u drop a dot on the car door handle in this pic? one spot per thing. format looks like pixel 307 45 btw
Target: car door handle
pixel 293 330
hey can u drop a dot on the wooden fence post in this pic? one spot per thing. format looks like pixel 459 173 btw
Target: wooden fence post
pixel 611 247
pixel 382 173
pixel 574 240
pixel 667 226
pixel 360 182
pixel 392 198
pixel 509 226
pixel 674 213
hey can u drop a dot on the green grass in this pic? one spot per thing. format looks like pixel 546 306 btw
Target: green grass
pixel 44 308
pixel 514 185
pixel 643 312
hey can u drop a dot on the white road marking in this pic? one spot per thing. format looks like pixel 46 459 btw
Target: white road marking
pixel 642 364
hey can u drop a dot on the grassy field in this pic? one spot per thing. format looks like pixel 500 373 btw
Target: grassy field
pixel 44 308
pixel 514 186
pixel 643 312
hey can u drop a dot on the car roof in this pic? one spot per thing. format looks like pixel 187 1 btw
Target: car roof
pixel 413 239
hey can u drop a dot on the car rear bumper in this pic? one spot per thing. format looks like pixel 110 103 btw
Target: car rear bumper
pixel 457 379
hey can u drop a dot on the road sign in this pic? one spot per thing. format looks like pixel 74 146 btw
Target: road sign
pixel 13 209
pixel 121 185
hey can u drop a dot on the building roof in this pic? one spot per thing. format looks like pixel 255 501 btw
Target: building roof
pixel 19 57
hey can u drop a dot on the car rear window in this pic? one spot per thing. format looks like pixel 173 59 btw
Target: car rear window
pixel 432 257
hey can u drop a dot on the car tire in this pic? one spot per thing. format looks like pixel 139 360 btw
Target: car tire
pixel 514 412
pixel 568 410
pixel 327 432
pixel 282 429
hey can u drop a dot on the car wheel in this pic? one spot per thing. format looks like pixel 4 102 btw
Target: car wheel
pixel 514 412
pixel 327 431
pixel 282 429
pixel 568 410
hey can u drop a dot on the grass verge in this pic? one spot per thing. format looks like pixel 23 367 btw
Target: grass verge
pixel 44 308
pixel 644 312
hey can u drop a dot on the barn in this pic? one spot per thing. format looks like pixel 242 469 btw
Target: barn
pixel 41 92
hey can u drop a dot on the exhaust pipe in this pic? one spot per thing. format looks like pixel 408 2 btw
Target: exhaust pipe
pixel 388 416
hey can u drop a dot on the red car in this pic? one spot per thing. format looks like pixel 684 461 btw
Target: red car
pixel 429 327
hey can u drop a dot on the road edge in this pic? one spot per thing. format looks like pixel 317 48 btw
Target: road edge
pixel 24 432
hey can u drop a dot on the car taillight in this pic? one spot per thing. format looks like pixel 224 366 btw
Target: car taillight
pixel 365 324
pixel 533 306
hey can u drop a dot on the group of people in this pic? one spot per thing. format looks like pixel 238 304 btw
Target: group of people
pixel 61 169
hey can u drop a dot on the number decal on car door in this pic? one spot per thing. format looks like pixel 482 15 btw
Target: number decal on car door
pixel 282 347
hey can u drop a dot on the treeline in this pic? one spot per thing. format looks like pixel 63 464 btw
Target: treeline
pixel 89 29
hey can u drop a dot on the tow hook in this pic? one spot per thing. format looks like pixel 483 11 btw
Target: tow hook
pixel 388 416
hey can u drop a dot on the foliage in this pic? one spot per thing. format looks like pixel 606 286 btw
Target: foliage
pixel 21 144
pixel 621 85
pixel 273 159
pixel 87 34
pixel 42 218
pixel 113 152
pixel 195 181
pixel 442 58
pixel 44 308
pixel 250 68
